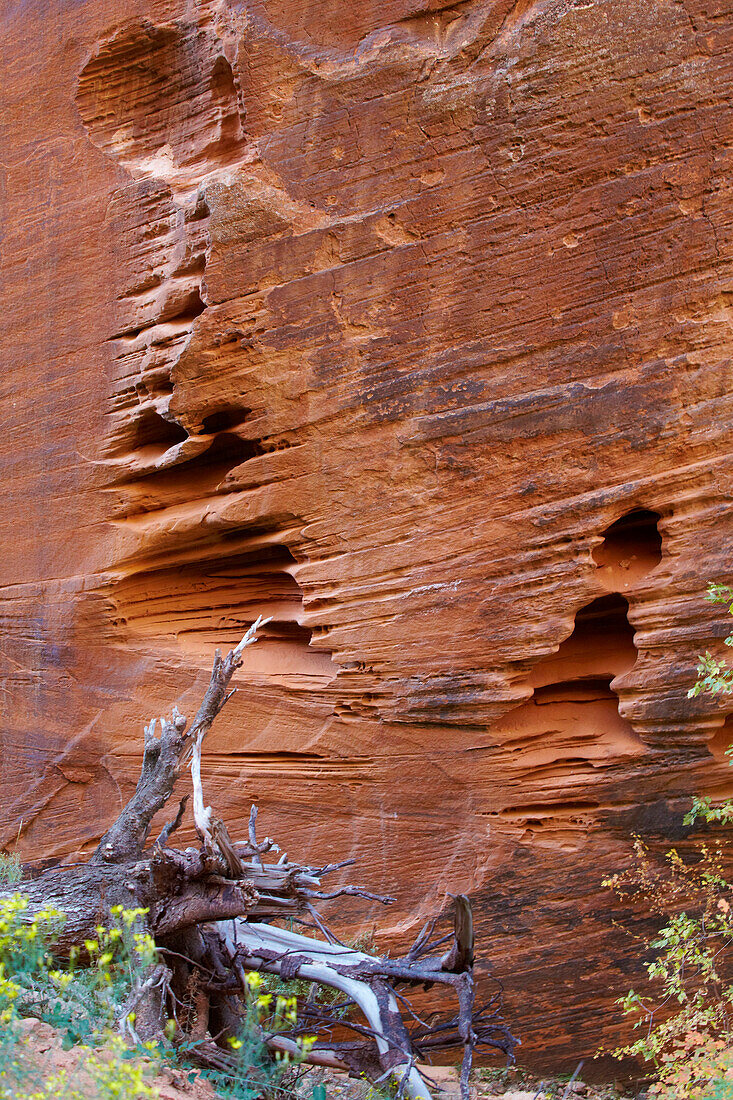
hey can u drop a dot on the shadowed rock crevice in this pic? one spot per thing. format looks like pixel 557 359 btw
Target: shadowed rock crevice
pixel 160 474
pixel 225 418
pixel 719 743
pixel 209 602
pixel 573 713
pixel 631 548
pixel 153 434
pixel 569 742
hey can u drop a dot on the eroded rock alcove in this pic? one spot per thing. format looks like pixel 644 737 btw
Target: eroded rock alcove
pixel 631 548
pixel 572 718
pixel 409 325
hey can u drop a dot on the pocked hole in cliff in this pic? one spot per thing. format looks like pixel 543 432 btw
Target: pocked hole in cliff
pixel 227 451
pixel 229 416
pixel 182 311
pixel 199 605
pixel 151 434
pixel 631 548
pixel 717 782
pixel 719 743
pixel 153 95
pixel 189 479
pixel 573 714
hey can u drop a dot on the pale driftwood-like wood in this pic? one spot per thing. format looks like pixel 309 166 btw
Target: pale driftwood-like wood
pixel 210 910
pixel 162 759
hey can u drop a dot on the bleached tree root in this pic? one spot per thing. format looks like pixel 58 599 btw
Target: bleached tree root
pixel 366 982
pixel 210 910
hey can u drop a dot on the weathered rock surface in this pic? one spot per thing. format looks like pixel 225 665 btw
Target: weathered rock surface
pixel 410 324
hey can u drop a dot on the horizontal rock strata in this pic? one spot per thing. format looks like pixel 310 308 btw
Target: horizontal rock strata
pixel 408 324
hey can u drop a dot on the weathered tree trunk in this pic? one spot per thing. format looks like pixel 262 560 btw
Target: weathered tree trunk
pixel 207 908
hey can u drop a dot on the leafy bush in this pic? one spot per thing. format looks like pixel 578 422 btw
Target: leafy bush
pixel 686 1021
pixel 11 869
pixel 714 676
pixel 85 1002
pixel 255 1072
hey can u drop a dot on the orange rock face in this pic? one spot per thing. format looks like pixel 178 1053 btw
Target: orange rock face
pixel 409 324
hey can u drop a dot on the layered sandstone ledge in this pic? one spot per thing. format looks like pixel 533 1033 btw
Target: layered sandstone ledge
pixel 409 324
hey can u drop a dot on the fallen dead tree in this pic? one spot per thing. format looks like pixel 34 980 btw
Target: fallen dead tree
pixel 213 912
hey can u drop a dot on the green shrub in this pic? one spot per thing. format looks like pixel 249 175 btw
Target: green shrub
pixel 84 1002
pixel 255 1072
pixel 11 869
pixel 685 1020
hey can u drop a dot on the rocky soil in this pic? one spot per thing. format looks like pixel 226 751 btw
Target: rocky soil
pixel 45 1051
pixel 44 1046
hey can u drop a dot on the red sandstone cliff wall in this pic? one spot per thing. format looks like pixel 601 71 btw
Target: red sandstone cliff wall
pixel 374 318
